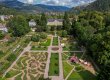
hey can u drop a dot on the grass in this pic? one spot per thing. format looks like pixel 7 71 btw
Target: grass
pixel 47 43
pixel 83 75
pixel 71 47
pixel 38 48
pixel 55 41
pixel 66 68
pixel 54 62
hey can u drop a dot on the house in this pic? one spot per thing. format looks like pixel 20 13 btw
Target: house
pixel 5 17
pixel 3 27
pixel 32 24
pixel 55 22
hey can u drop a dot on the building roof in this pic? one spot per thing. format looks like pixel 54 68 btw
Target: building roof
pixel 52 20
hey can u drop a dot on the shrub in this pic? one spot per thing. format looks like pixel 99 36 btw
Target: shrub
pixel 64 33
pixel 1 53
pixel 43 36
pixel 35 38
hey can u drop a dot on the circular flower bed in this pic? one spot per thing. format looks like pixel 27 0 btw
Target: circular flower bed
pixel 55 48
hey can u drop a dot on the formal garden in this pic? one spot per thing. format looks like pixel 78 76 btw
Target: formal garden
pixel 30 66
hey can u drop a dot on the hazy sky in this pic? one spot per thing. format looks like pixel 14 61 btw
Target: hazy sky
pixel 69 3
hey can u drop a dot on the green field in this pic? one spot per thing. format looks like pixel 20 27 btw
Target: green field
pixel 54 65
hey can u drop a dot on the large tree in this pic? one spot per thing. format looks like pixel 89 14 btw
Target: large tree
pixel 1 35
pixel 19 26
pixel 66 23
pixel 43 22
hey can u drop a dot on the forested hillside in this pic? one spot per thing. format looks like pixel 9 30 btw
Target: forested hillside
pixel 6 10
pixel 99 5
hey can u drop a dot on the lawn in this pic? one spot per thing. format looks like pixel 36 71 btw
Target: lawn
pixel 71 47
pixel 39 48
pixel 47 43
pixel 54 62
pixel 83 75
pixel 55 41
pixel 66 69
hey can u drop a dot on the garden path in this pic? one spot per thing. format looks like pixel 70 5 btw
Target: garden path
pixel 48 60
pixel 70 73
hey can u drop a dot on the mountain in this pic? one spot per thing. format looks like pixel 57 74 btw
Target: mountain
pixel 98 5
pixel 33 8
pixel 53 8
pixel 77 9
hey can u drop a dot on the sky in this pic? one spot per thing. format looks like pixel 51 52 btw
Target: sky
pixel 68 3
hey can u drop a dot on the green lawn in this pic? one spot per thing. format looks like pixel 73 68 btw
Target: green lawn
pixel 83 75
pixel 39 48
pixel 66 69
pixel 54 65
pixel 71 47
pixel 47 43
pixel 55 41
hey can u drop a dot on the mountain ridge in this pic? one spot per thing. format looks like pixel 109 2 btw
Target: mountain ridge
pixel 33 8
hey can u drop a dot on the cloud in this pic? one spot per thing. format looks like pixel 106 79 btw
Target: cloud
pixel 30 1
pixel 69 3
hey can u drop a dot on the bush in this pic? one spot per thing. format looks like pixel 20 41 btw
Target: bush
pixel 1 35
pixel 64 33
pixel 43 36
pixel 35 38
pixel 1 53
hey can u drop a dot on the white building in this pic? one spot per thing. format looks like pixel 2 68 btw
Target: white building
pixel 55 22
pixel 32 24
pixel 3 27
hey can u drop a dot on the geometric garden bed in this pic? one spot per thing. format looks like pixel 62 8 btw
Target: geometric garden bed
pixel 30 66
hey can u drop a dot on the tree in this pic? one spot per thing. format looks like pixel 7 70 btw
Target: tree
pixel 1 35
pixel 104 73
pixel 43 35
pixel 19 26
pixel 43 22
pixel 64 33
pixel 35 38
pixel 66 23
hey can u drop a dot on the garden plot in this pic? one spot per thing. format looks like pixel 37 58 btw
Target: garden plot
pixel 30 66
pixel 69 44
pixel 55 41
pixel 54 65
pixel 74 70
pixel 42 44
